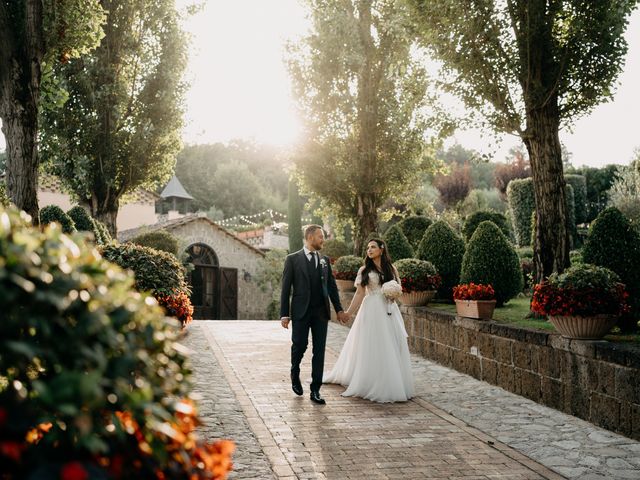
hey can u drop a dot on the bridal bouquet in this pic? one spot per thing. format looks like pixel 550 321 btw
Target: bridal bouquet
pixel 391 291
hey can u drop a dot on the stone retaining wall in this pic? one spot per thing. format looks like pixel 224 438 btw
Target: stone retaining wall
pixel 597 381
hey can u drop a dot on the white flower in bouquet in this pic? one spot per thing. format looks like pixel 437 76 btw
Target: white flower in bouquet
pixel 391 290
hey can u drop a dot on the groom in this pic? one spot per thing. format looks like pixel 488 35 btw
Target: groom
pixel 313 285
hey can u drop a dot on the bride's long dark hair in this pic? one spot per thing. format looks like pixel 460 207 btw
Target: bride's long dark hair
pixel 387 273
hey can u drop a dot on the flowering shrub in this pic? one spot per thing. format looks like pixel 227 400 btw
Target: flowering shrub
pixel 417 275
pixel 178 306
pixel 473 291
pixel 583 290
pixel 90 375
pixel 346 267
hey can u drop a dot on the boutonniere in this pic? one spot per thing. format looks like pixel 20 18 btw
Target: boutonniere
pixel 323 263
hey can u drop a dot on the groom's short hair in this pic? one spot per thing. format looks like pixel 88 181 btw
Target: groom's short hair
pixel 310 230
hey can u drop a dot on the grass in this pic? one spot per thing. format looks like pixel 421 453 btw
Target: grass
pixel 516 311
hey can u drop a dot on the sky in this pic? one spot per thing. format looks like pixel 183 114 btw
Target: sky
pixel 240 86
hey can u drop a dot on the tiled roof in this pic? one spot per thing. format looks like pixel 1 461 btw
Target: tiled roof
pixel 175 189
pixel 125 235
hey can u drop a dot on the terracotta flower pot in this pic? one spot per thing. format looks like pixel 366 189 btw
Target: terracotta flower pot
pixel 583 328
pixel 417 299
pixel 345 285
pixel 481 309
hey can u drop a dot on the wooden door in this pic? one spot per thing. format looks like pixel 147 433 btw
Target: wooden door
pixel 228 294
pixel 204 292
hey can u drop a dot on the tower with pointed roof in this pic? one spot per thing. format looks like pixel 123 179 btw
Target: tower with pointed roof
pixel 174 198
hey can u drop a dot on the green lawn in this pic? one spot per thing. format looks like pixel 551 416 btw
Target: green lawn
pixel 516 311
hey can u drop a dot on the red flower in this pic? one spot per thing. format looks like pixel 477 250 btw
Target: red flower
pixel 73 471
pixel 3 416
pixel 473 291
pixel 11 449
pixel 178 306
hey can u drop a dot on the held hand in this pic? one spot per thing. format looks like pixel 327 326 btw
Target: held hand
pixel 343 317
pixel 284 321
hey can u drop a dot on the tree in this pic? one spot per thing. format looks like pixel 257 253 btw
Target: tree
pixel 455 186
pixel 120 128
pixel 599 182
pixel 361 92
pixel 529 67
pixel 34 36
pixel 294 217
pixel 517 168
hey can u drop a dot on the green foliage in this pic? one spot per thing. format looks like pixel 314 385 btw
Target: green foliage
pixel 491 259
pixel 158 240
pixel 348 264
pixel 479 200
pixel 103 237
pixel 444 248
pixel 121 128
pixel 53 213
pixel 525 252
pixel 576 257
pixel 417 275
pixel 4 200
pixel 397 244
pixel 294 217
pixel 78 345
pixel 614 243
pixel 414 227
pixel 579 185
pixel 158 272
pixel 362 93
pixel 585 277
pixel 81 219
pixel 625 192
pixel 599 181
pixel 521 205
pixel 472 222
pixel 335 249
pixel 269 277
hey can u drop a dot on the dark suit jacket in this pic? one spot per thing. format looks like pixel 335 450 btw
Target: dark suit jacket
pixel 296 276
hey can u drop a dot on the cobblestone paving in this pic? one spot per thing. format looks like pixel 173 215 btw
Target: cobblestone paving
pixel 346 439
pixel 570 446
pixel 222 415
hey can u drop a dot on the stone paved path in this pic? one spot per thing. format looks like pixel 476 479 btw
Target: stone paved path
pixel 456 427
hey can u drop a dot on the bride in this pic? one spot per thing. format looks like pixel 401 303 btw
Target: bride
pixel 374 362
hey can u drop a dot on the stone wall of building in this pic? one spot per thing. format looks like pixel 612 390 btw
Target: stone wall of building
pixel 598 381
pixel 252 301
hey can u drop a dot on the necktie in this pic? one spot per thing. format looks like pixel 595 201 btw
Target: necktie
pixel 313 259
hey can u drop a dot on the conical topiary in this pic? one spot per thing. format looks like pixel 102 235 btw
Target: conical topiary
pixel 476 218
pixel 444 248
pixel 397 244
pixel 491 259
pixel 613 243
pixel 413 228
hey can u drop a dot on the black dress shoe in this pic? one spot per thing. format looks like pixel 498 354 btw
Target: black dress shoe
pixel 296 385
pixel 316 398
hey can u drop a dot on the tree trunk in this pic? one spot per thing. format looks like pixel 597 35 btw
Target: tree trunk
pixel 366 221
pixel 21 53
pixel 106 210
pixel 551 246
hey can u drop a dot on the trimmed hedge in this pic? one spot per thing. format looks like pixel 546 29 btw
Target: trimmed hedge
pixel 81 219
pixel 491 259
pixel 53 213
pixel 155 271
pixel 444 248
pixel 475 219
pixel 521 205
pixel 414 227
pixel 614 243
pixel 579 185
pixel 397 244
pixel 102 232
pixel 159 240
pixel 93 368
pixel 335 249
pixel 4 199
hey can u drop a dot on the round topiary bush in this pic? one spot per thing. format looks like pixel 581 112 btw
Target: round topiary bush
pixel 397 244
pixel 53 213
pixel 93 383
pixel 414 227
pixel 614 243
pixel 444 248
pixel 81 219
pixel 417 275
pixel 475 219
pixel 346 268
pixel 159 240
pixel 491 259
pixel 335 249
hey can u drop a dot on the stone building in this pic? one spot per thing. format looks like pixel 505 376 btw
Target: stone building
pixel 224 277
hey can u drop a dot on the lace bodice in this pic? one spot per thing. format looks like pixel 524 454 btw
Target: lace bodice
pixel 373 286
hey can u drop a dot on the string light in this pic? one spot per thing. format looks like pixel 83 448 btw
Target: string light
pixel 248 220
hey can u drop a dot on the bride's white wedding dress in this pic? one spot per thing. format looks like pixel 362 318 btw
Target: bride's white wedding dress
pixel 375 362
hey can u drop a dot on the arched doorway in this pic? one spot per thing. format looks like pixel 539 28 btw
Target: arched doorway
pixel 214 290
